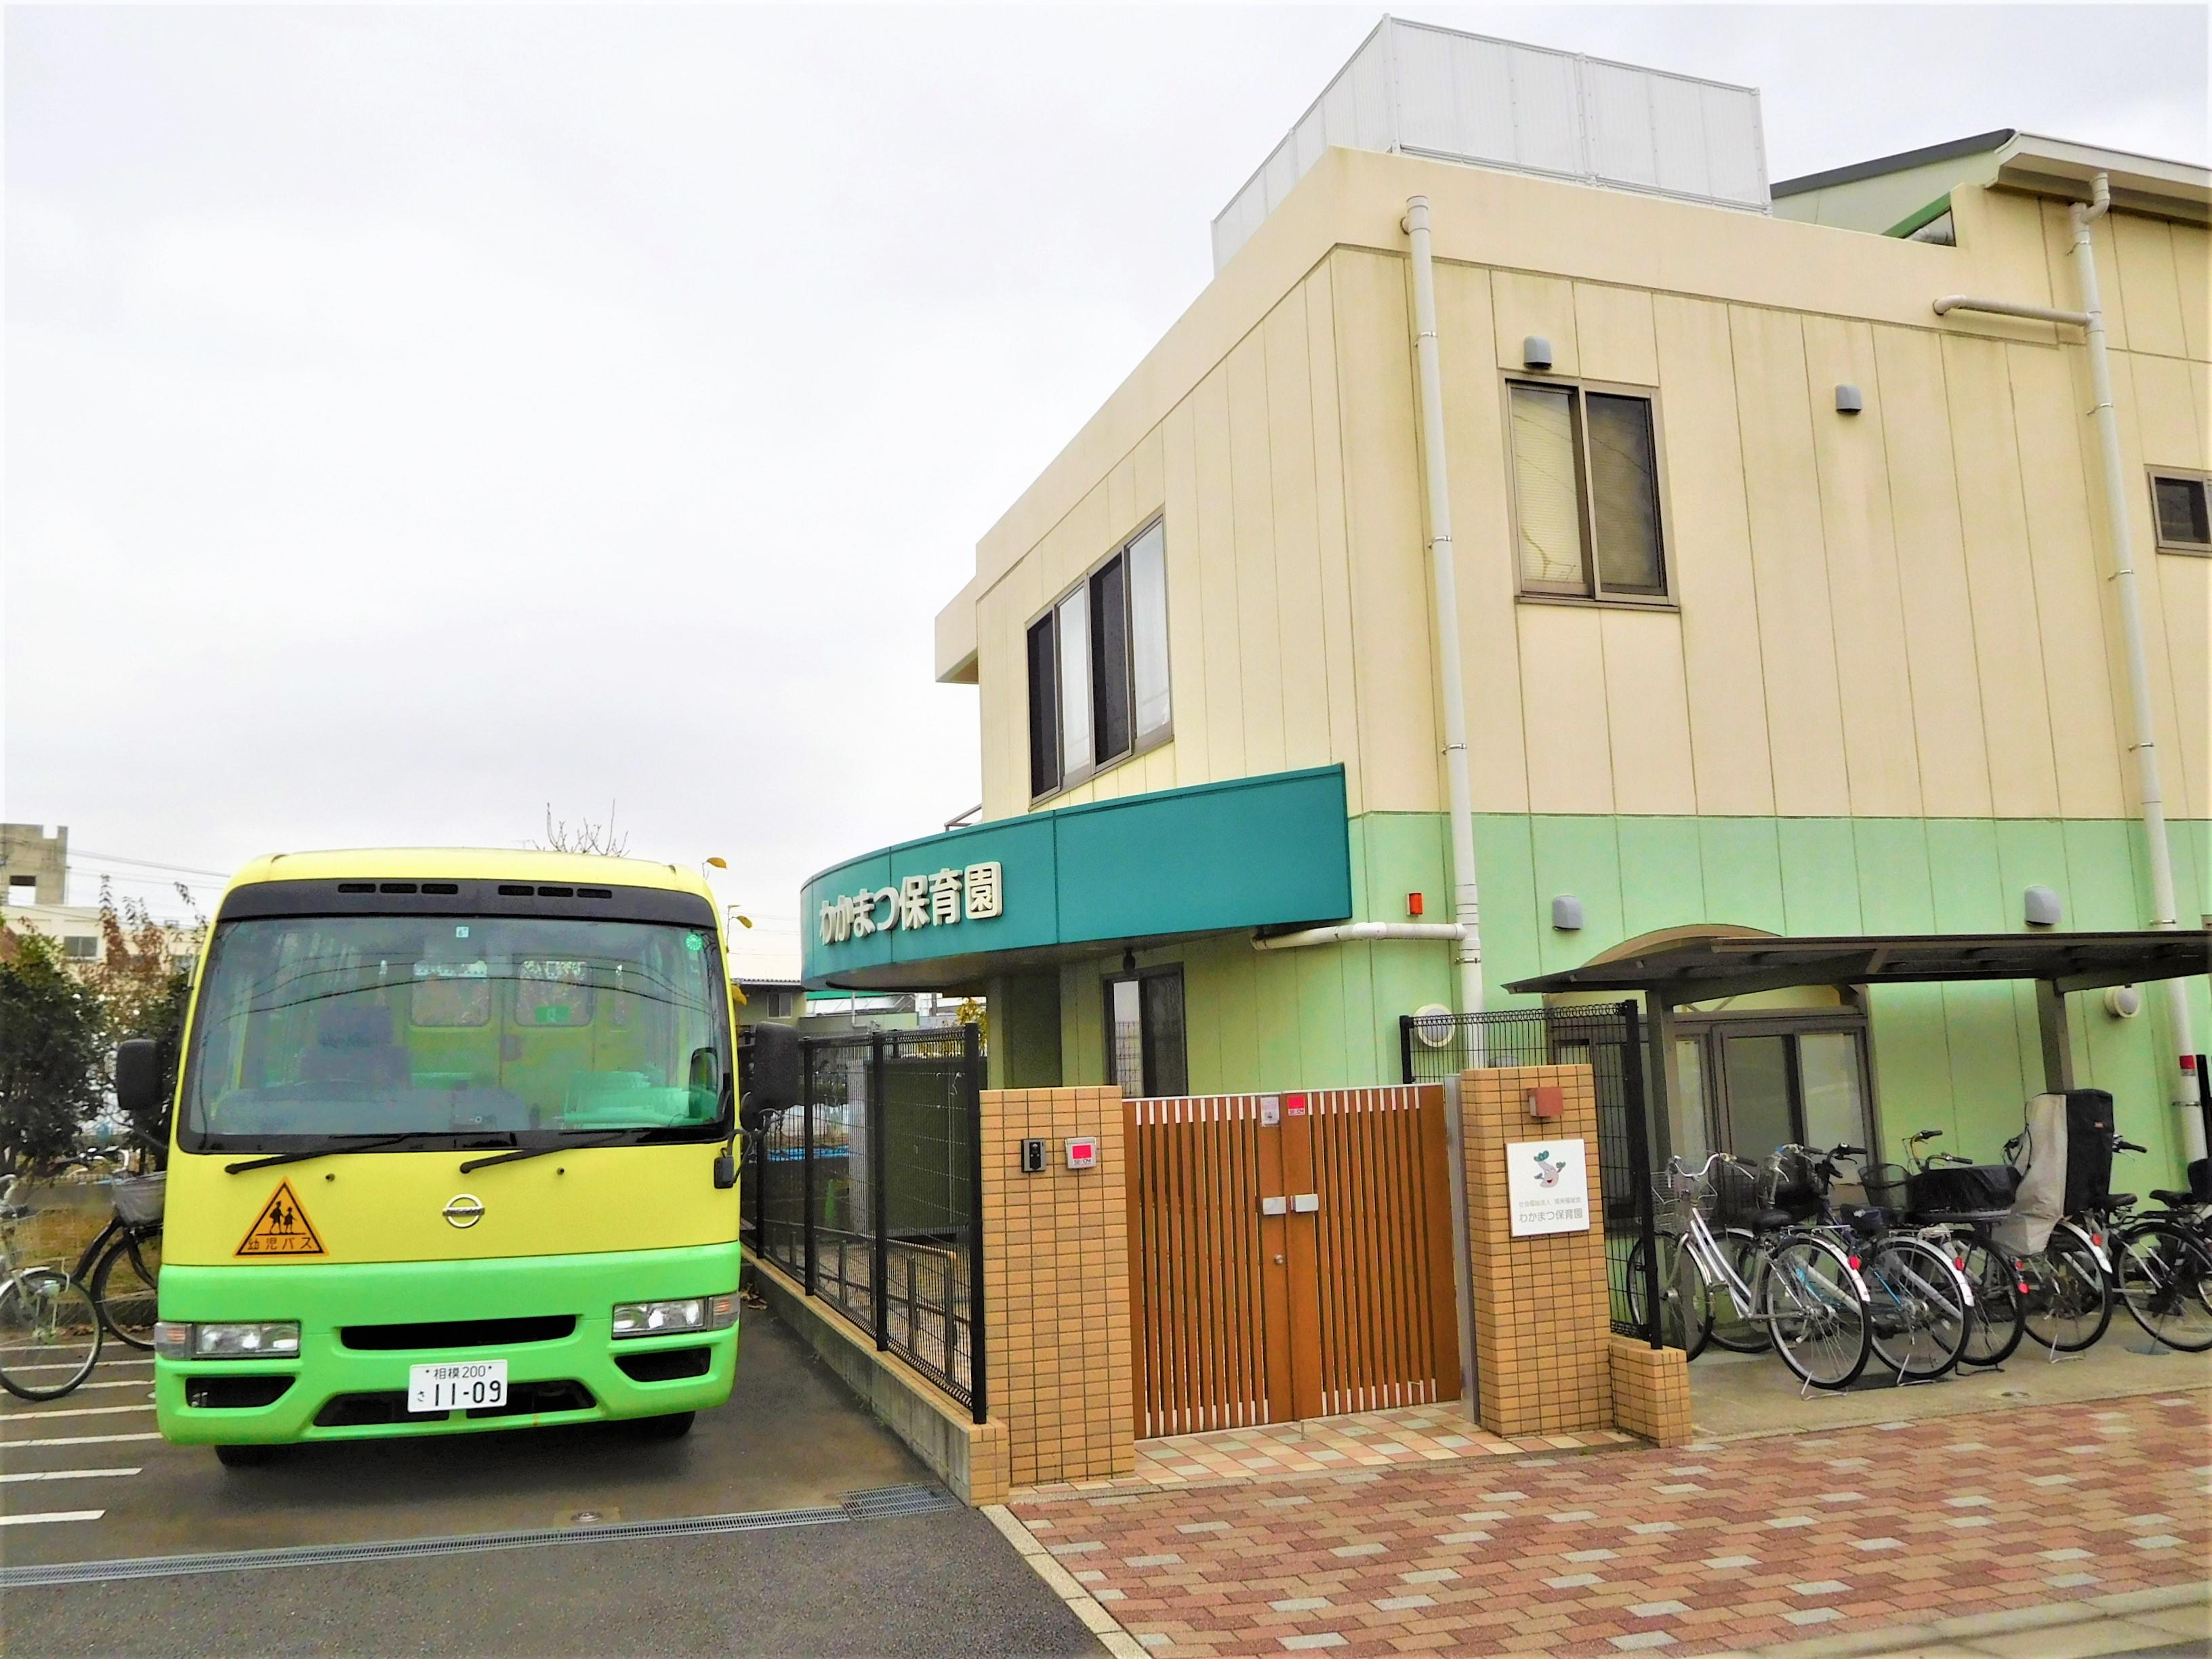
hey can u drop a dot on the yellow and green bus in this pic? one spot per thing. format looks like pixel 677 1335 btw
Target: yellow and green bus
pixel 451 1149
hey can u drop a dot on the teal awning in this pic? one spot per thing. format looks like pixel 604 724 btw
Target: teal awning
pixel 1218 857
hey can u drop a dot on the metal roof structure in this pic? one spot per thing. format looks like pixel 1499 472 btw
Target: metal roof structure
pixel 1705 968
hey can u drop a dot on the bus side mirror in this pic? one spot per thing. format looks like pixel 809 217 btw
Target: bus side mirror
pixel 137 1077
pixel 769 1065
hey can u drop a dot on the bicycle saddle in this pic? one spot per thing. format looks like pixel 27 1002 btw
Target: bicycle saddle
pixel 1771 1221
pixel 2118 1201
pixel 2178 1201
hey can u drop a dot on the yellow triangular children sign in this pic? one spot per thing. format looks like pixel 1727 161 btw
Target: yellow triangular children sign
pixel 283 1228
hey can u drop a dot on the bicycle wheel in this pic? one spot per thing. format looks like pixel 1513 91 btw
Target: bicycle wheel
pixel 1815 1305
pixel 1736 1324
pixel 2068 1305
pixel 124 1287
pixel 1918 1300
pixel 2165 1279
pixel 1994 1329
pixel 1685 1309
pixel 49 1334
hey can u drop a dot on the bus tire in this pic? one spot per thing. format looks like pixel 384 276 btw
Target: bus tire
pixel 248 1457
pixel 674 1426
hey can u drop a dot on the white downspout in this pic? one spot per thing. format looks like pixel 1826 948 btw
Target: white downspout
pixel 2131 626
pixel 2091 319
pixel 1466 894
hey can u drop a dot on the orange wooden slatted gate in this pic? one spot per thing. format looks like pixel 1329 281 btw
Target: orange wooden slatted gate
pixel 1290 1255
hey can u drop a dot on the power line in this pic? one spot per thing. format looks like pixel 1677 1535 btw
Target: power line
pixel 76 853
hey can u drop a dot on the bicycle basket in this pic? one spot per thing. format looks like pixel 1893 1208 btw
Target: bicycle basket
pixel 1796 1188
pixel 139 1199
pixel 1887 1187
pixel 1740 1193
pixel 1962 1189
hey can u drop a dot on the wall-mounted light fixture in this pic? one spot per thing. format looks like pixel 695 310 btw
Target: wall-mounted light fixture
pixel 1849 400
pixel 1535 352
pixel 2123 1001
pixel 1567 913
pixel 2040 908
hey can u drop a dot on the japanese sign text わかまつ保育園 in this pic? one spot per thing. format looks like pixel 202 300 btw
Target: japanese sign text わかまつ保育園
pixel 942 900
pixel 1547 1187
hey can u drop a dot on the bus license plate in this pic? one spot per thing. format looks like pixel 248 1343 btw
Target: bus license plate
pixel 457 1385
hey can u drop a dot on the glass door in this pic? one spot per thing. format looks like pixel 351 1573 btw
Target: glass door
pixel 1745 1086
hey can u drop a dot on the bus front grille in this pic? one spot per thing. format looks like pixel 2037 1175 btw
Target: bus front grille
pixel 459 1333
pixel 350 1411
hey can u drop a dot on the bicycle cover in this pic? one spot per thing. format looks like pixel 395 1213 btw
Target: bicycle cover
pixel 2089 1149
pixel 2041 1161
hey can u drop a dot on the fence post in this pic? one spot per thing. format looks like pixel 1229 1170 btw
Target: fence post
pixel 806 1166
pixel 1406 1046
pixel 972 1090
pixel 878 1199
pixel 1639 1159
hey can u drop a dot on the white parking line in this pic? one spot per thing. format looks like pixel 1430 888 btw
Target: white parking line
pixel 124 1382
pixel 76 1440
pixel 73 1411
pixel 70 1474
pixel 60 1366
pixel 51 1514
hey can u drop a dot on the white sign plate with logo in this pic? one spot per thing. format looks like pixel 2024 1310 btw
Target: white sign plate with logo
pixel 1547 1185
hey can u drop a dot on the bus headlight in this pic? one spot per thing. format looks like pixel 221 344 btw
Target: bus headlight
pixel 690 1313
pixel 267 1339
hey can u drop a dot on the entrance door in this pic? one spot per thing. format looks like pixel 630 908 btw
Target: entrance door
pixel 1762 1083
pixel 1289 1256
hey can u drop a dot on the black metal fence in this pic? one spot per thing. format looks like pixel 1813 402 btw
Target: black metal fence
pixel 868 1193
pixel 1610 1040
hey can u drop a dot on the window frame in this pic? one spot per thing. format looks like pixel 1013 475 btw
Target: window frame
pixel 1140 743
pixel 1592 591
pixel 2178 475
pixel 1145 1061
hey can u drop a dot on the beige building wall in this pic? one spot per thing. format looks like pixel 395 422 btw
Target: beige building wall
pixel 1902 613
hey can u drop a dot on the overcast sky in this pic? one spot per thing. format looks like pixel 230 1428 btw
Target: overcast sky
pixel 415 416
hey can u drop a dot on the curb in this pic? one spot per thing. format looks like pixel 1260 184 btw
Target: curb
pixel 1096 1620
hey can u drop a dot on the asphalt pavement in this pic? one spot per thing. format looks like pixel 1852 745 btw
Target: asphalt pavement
pixel 90 1489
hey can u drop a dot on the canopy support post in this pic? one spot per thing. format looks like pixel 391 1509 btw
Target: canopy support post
pixel 2058 1037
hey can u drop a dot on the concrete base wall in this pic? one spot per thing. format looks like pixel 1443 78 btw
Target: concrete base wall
pixel 969 1458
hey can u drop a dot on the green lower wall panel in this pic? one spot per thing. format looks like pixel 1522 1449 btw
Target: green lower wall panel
pixel 1960 1058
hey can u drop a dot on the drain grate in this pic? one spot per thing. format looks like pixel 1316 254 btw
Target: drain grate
pixel 885 1502
pixel 878 1504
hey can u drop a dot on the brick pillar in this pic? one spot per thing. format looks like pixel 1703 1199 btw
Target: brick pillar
pixel 1056 1287
pixel 1543 1320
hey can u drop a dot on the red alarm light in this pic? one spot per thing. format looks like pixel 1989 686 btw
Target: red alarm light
pixel 1413 903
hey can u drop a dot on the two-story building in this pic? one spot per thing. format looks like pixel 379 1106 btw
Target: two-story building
pixel 1784 604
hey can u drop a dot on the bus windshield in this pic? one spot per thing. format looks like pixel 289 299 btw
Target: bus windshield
pixel 452 1031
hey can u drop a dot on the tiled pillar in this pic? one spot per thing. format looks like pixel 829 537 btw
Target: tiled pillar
pixel 1056 1287
pixel 1543 1319
pixel 1651 1391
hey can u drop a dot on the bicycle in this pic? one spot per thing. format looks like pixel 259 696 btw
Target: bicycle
pixel 122 1266
pixel 1920 1299
pixel 1955 1204
pixel 48 1321
pixel 1809 1297
pixel 2161 1269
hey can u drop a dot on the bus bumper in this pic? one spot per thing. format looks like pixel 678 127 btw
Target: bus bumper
pixel 363 1325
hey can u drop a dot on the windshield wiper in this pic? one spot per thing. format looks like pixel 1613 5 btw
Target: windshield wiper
pixel 325 1150
pixel 603 1138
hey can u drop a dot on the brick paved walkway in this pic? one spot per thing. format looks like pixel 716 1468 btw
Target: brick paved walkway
pixel 1713 1547
pixel 1401 1434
